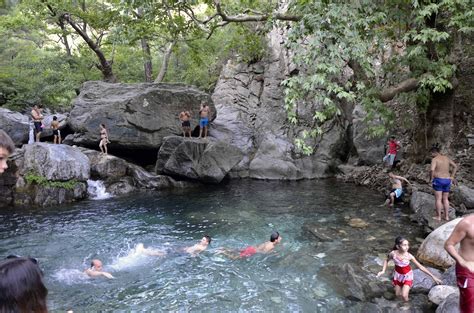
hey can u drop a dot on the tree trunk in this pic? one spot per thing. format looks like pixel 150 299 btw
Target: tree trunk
pixel 164 66
pixel 147 64
pixel 105 66
pixel 64 38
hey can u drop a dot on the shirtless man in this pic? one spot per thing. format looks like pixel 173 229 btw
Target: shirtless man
pixel 199 247
pixel 265 247
pixel 204 121
pixel 397 188
pixel 441 180
pixel 463 233
pixel 56 133
pixel 184 117
pixel 37 117
pixel 96 270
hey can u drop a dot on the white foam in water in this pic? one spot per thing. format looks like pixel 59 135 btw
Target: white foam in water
pixel 96 190
pixel 134 257
pixel 70 276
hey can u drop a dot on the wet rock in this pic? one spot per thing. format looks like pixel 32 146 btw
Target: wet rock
pixel 449 276
pixel 423 205
pixel 449 305
pixel 432 249
pixel 352 284
pixel 55 162
pixel 423 282
pixel 121 187
pixel 464 195
pixel 147 180
pixel 16 125
pixel 320 232
pixel 198 159
pixel 138 116
pixel 439 293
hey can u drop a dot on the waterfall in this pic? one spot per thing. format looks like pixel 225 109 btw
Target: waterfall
pixel 96 190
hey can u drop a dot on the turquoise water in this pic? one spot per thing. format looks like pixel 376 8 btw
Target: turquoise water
pixel 240 213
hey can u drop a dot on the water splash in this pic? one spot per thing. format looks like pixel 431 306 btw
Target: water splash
pixel 96 190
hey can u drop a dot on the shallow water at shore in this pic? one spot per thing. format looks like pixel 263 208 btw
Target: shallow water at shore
pixel 238 214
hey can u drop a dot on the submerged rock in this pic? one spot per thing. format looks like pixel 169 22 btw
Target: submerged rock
pixel 200 159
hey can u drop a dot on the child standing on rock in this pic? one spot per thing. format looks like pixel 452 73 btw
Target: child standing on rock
pixel 403 274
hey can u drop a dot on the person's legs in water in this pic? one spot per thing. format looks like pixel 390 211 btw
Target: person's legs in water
pixel 405 291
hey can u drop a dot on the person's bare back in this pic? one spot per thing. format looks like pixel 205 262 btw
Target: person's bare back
pixel 440 166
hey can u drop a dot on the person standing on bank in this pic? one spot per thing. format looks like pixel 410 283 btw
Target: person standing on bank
pixel 56 132
pixel 104 139
pixel 184 117
pixel 393 147
pixel 441 179
pixel 204 120
pixel 37 116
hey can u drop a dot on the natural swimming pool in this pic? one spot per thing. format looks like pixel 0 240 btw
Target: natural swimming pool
pixel 237 214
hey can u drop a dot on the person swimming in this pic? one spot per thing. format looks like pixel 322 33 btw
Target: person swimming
pixel 249 251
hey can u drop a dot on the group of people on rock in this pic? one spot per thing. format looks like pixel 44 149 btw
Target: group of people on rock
pixel 38 126
pixel 185 118
pixel 22 288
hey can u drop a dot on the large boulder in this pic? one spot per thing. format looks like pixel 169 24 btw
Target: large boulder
pixel 137 116
pixel 204 160
pixel 432 249
pixel 16 125
pixel 450 304
pixel 423 205
pixel 105 167
pixel 439 293
pixel 56 162
pixel 465 195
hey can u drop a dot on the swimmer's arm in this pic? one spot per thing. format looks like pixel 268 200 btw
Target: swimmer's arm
pixel 426 271
pixel 402 178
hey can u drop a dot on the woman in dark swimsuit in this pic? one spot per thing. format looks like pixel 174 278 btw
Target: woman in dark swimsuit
pixel 104 139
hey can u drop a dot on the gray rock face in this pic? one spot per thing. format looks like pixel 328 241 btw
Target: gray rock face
pixel 16 125
pixel 370 151
pixel 250 102
pixel 105 167
pixel 439 293
pixel 423 205
pixel 56 162
pixel 465 195
pixel 136 115
pixel 198 159
pixel 449 305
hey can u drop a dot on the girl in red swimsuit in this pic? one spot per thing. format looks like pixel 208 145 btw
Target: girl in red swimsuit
pixel 403 274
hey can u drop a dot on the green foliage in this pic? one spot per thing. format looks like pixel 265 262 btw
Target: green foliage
pixel 334 36
pixel 35 179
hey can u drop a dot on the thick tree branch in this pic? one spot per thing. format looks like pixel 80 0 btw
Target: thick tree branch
pixel 405 86
pixel 242 18
pixel 104 66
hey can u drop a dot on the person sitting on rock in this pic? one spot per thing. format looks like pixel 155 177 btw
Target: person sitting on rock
pixel 265 247
pixel 6 148
pixel 96 270
pixel 396 192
